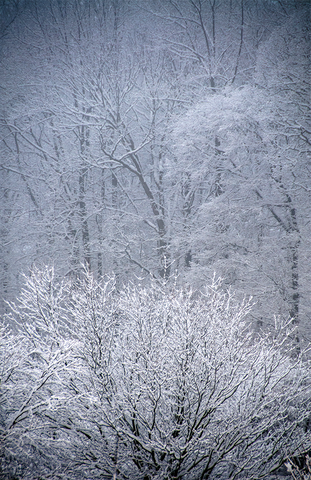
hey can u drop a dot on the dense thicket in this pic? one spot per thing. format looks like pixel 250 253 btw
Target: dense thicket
pixel 146 383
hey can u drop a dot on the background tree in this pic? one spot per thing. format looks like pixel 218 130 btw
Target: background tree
pixel 88 132
pixel 249 189
pixel 90 173
pixel 244 197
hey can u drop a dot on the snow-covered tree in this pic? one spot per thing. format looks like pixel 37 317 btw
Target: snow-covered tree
pixel 242 156
pixel 36 356
pixel 151 383
pixel 89 93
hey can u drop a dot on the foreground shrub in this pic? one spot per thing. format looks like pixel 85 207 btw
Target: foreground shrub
pixel 150 383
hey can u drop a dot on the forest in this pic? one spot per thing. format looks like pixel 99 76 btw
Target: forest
pixel 155 239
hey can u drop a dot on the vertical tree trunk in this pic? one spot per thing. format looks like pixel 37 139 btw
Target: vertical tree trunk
pixel 83 218
pixel 84 134
pixel 290 226
pixel 99 221
pixel 294 258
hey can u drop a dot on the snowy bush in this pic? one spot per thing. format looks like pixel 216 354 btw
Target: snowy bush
pixel 147 383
